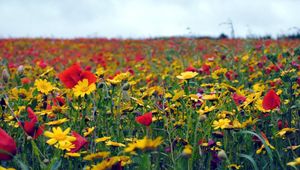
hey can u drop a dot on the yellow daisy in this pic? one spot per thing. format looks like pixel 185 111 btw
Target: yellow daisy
pixel 187 75
pixel 222 123
pixel 97 155
pixel 59 136
pixel 57 122
pixel 83 88
pixel 43 86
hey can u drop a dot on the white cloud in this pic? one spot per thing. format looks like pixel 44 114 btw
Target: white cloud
pixel 144 18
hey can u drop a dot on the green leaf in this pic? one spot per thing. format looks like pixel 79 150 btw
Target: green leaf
pixel 55 164
pixel 37 154
pixel 250 159
pixel 21 164
pixel 262 140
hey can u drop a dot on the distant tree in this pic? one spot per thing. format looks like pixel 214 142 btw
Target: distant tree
pixel 222 36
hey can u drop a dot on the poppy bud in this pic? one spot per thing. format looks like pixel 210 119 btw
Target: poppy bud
pixel 20 69
pixel 202 117
pixel 7 146
pixel 5 75
pixel 222 154
pixel 46 161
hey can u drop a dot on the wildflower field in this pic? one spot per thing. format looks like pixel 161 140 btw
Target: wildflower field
pixel 174 103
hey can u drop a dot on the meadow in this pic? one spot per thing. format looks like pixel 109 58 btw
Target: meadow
pixel 165 103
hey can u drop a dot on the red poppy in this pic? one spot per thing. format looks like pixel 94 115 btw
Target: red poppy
pixel 79 142
pixel 7 146
pixel 58 101
pixel 31 127
pixel 73 74
pixel 238 99
pixel 25 80
pixel 145 119
pixel 205 69
pixel 231 75
pixel 191 68
pixel 282 125
pixel 271 100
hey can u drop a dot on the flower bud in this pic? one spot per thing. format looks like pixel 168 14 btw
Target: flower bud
pixel 222 154
pixel 29 138
pixel 20 69
pixel 5 75
pixel 126 86
pixel 46 161
pixel 202 117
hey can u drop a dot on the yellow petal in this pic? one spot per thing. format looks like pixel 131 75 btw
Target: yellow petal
pixel 51 141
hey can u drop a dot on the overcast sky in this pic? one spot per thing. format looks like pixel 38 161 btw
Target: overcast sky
pixel 146 18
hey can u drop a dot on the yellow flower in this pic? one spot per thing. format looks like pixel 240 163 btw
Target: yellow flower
pixel 138 101
pixel 234 166
pixel 177 95
pixel 2 168
pixel 119 78
pixel 97 155
pixel 103 139
pixel 216 73
pixel 249 122
pixel 258 87
pixel 187 151
pixel 57 122
pixel 194 97
pixel 43 86
pixel 206 110
pixel 88 131
pixel 59 136
pixel 295 147
pixel 224 114
pixel 222 123
pixel 187 75
pixel 83 88
pixel 245 58
pixel 70 154
pixel 109 162
pixel 64 145
pixel 285 131
pixel 258 105
pixel 21 94
pixel 262 148
pixel 112 143
pixel 113 81
pixel 100 71
pixel 144 144
pixel 296 162
pixel 210 97
pixel 236 124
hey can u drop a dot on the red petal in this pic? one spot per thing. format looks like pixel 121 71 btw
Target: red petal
pixel 7 144
pixel 271 100
pixel 70 76
pixel 39 132
pixel 238 99
pixel 31 114
pixel 79 143
pixel 145 119
pixel 88 75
